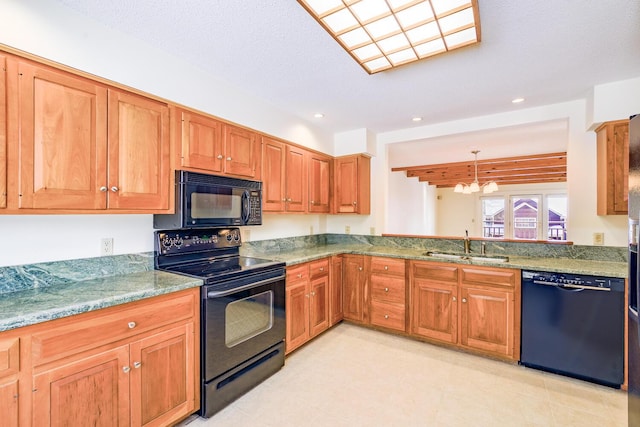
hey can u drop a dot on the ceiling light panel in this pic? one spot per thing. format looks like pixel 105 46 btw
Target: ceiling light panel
pixel 382 34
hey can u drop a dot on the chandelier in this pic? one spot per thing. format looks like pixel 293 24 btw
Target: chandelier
pixel 474 187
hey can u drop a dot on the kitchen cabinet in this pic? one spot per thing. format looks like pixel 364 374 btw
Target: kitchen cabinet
pixel 319 183
pixel 467 306
pixel 613 167
pixel 434 310
pixel 9 380
pixel 201 142
pixel 86 146
pixel 241 152
pixel 307 302
pixel 285 177
pixel 387 282
pixel 335 303
pixel 354 285
pixel 3 131
pixel 352 182
pixel 129 365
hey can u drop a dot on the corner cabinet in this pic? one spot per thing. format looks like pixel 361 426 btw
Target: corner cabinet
pixel 85 146
pixel 467 306
pixel 352 184
pixel 133 364
pixel 613 167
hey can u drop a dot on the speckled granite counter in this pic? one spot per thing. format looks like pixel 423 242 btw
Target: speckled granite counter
pixel 37 293
pixel 559 258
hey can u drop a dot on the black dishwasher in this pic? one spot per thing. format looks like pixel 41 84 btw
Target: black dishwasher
pixel 574 325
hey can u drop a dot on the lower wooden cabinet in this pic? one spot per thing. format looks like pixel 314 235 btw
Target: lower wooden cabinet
pixel 134 364
pixel 354 283
pixel 467 306
pixel 307 302
pixel 387 283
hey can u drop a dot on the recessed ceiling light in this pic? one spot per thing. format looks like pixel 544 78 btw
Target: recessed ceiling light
pixel 517 100
pixel 383 34
pixel 318 115
pixel 417 119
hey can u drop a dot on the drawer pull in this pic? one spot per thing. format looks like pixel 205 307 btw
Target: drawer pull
pixel 137 364
pixel 131 325
pixel 386 267
pixel 360 268
pixel 299 275
pixel 126 369
pixel 386 289
pixel 321 268
pixel 386 316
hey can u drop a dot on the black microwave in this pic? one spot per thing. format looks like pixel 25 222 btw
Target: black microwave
pixel 209 201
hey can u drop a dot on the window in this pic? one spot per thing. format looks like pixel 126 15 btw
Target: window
pixel 524 216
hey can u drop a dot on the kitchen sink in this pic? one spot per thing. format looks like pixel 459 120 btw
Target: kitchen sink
pixel 470 257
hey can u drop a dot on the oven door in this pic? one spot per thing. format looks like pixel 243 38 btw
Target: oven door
pixel 241 321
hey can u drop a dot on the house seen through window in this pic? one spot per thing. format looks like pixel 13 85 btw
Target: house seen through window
pixel 526 217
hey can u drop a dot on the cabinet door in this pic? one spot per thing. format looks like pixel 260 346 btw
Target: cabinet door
pixel 487 320
pixel 319 184
pixel 163 377
pixel 621 169
pixel 353 288
pixel 9 403
pixel 434 310
pixel 139 169
pixel 335 303
pixel 93 390
pixel 296 178
pixel 297 311
pixel 242 152
pixel 201 142
pixel 273 175
pixel 319 305
pixel 346 186
pixel 3 131
pixel 63 140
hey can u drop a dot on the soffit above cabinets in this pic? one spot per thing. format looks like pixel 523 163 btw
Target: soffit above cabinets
pixel 530 169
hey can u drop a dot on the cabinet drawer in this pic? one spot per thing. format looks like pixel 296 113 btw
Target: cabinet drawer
pixel 298 272
pixel 319 268
pixel 390 316
pixel 493 277
pixel 9 356
pixel 388 289
pixel 434 271
pixel 109 325
pixel 391 266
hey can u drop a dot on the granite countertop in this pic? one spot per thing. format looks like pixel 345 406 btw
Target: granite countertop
pixel 40 304
pixel 553 264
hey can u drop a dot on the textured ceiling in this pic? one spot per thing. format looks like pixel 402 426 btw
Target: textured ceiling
pixel 545 51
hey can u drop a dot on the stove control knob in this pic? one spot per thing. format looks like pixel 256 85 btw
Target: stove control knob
pixel 229 237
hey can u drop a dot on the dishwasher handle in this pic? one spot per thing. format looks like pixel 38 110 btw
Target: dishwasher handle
pixel 571 287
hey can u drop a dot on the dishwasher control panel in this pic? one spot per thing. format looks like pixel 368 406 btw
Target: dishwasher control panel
pixel 574 280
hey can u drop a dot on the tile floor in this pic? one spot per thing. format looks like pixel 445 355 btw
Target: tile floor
pixel 353 376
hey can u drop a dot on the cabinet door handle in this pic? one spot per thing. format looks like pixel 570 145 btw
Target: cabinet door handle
pixel 284 200
pixel 360 268
pixel 126 369
pixel 354 203
pixel 306 295
pixel 131 325
pixel 289 199
pixel 220 156
pixel 455 299
pixel 103 189
pixel 386 289
pixel 228 159
pixel 321 268
pixel 137 364
pixel 313 294
pixel 386 316
pixel 299 275
pixel 464 300
pixel 114 189
pixel 386 267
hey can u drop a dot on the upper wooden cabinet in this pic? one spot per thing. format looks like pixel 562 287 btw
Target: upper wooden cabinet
pixel 352 184
pixel 210 145
pixel 613 167
pixel 319 183
pixel 3 131
pixel 85 146
pixel 285 177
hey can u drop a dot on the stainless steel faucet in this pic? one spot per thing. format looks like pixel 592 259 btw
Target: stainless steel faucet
pixel 467 242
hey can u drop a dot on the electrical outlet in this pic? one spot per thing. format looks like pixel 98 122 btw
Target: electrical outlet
pixel 598 239
pixel 372 231
pixel 106 246
pixel 347 229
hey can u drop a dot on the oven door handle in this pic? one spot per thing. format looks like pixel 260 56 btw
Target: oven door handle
pixel 220 294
